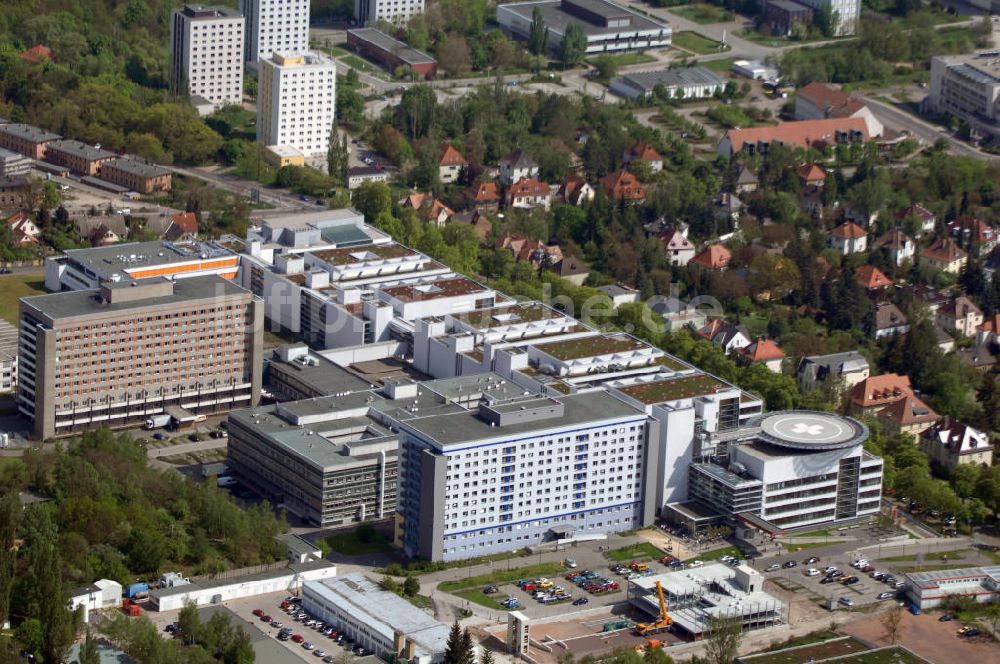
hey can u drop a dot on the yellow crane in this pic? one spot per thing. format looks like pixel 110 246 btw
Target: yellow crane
pixel 663 621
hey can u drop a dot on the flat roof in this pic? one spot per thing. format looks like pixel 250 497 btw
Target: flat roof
pixel 380 40
pixel 597 345
pixel 468 427
pixel 199 12
pixel 434 290
pixel 671 389
pixel 808 430
pixel 78 149
pixel 529 312
pixel 363 253
pixel 138 168
pixel 557 20
pixel 932 578
pixel 368 599
pixel 324 377
pixel 69 304
pixel 683 76
pixel 120 258
pixel 296 544
pixel 29 133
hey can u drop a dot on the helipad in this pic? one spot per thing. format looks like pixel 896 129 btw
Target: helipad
pixel 807 430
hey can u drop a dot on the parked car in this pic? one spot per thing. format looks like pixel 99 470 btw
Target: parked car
pixel 812 571
pixel 258 612
pixel 570 563
pixel 773 568
pixel 580 601
pixel 695 563
pixel 307 646
pixel 945 618
pixel 276 624
pixel 850 580
pixel 810 561
pixel 159 435
pixel 297 638
pixel 489 590
pixel 789 564
pixel 319 653
pixel 846 601
pixel 888 595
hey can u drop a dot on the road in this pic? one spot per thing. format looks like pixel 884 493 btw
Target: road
pixel 280 198
pixel 921 129
pixel 154 454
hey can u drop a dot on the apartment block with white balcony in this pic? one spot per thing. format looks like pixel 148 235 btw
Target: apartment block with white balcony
pixel 296 101
pixel 275 26
pixel 207 54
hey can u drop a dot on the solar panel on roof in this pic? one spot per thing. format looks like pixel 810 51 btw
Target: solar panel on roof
pixel 345 236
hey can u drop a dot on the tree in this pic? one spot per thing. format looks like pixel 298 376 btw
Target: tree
pixel 10 514
pixel 240 649
pixel 772 277
pixel 337 157
pixel 372 199
pixel 574 45
pixel 468 650
pixel 538 34
pixel 454 56
pixel 47 594
pixel 453 647
pixel 487 657
pixel 350 107
pixel 50 195
pixel 189 623
pixel 606 67
pixel 892 624
pixel 723 640
pixel 411 587
pixel 88 651
pixel 963 480
pixel 416 110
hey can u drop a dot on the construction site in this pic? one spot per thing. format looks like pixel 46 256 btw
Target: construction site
pixel 685 601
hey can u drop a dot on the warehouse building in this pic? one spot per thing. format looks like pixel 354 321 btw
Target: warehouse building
pixel 77 157
pixel 216 589
pixel 694 596
pixel 128 350
pixel 929 589
pixel 609 28
pixel 682 83
pixel 390 53
pixel 376 619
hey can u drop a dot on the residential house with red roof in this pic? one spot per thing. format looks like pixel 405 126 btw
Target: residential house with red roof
pixel 574 190
pixel 805 134
pixel 623 185
pixel 525 249
pixel 944 254
pixel 762 351
pixel 429 208
pixel 451 163
pixel 678 249
pixel 877 392
pixel 818 101
pixel 183 226
pixel 643 151
pixel 529 193
pixel 925 217
pixel 812 175
pixel 849 238
pixel 960 315
pixel 898 245
pixel 38 53
pixel 485 197
pixel 973 234
pixel 908 415
pixel 989 331
pixel 713 257
pixel 23 228
pixel 871 278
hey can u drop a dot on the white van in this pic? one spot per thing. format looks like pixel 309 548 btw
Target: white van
pixel 225 480
pixel 812 571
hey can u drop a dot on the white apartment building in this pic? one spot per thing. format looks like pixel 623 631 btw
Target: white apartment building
pixel 296 101
pixel 275 25
pixel 207 54
pixel 523 471
pixel 846 12
pixel 968 87
pixel 394 11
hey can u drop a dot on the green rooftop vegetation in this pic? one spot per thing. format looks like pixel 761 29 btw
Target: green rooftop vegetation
pixel 810 653
pixel 675 388
pixel 574 349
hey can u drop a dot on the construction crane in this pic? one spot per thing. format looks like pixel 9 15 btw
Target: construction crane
pixel 663 621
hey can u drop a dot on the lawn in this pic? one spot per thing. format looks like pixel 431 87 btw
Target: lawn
pixel 640 551
pixel 15 286
pixel 625 59
pixel 808 653
pixel 362 65
pixel 477 596
pixel 703 14
pixel 721 65
pixel 696 43
pixel 500 576
pixel 350 545
pixel 420 601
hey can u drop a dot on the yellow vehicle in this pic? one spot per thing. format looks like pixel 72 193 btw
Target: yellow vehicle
pixel 640 567
pixel 663 621
pixel 544 583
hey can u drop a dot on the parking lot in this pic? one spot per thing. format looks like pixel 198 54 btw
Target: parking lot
pixel 270 605
pixel 936 641
pixel 796 579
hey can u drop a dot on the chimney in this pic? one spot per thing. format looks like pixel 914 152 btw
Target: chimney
pixel 411 650
pixel 398 642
